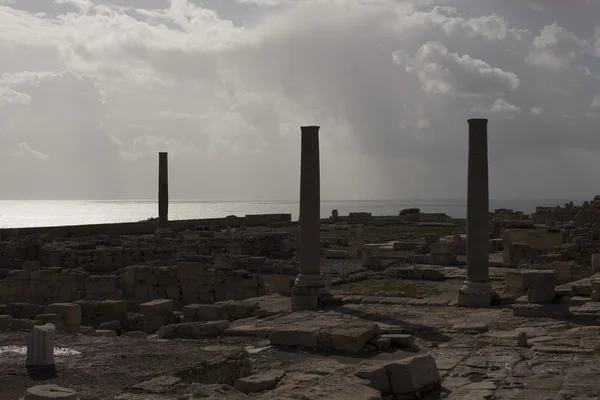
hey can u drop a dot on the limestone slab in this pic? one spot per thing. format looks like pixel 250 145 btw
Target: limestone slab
pixel 259 382
pixel 503 338
pixel 193 330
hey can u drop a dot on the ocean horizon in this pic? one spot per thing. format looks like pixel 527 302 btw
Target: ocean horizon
pixel 38 213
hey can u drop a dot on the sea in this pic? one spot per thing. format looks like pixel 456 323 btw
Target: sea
pixel 37 213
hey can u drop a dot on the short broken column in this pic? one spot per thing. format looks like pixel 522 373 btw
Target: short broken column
pixel 40 347
pixel 477 290
pixel 163 192
pixel 309 286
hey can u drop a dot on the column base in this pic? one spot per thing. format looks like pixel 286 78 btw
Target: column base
pixel 475 294
pixel 163 233
pixel 307 292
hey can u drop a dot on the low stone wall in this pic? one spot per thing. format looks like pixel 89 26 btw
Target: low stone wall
pixel 106 254
pixel 144 227
pixel 188 282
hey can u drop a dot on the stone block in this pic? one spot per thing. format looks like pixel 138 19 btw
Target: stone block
pixel 191 271
pixel 352 336
pixel 5 321
pixel 401 340
pixel 595 262
pixel 193 330
pixel 303 335
pixel 157 307
pixel 375 375
pixel 100 285
pixel 337 254
pixel 112 307
pixel 503 339
pixel 152 323
pixel 413 376
pixel 209 312
pixel 23 324
pixel 515 282
pixel 259 382
pixel 540 285
pixel 70 312
pixel 105 333
pixel 441 248
pixel 23 310
pixel 238 309
pixel 54 319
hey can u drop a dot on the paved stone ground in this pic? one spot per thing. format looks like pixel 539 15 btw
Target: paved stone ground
pixel 481 354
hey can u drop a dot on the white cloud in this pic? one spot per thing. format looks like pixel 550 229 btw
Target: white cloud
pixel 25 151
pixel 537 111
pixel 441 71
pixel 11 96
pixel 100 86
pixel 555 47
pixel 498 108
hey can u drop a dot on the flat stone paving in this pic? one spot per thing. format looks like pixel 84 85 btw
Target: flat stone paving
pixel 481 354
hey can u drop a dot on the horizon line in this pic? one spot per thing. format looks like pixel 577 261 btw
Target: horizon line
pixel 192 200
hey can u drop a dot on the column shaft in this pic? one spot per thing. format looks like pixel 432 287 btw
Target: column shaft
pixel 310 202
pixel 163 191
pixel 477 291
pixel 478 203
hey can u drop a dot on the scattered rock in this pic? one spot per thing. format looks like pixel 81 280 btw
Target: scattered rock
pixel 259 382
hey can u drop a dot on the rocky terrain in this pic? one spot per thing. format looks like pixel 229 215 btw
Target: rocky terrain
pixel 206 313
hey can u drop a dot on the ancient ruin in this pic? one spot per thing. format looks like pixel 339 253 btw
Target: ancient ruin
pixel 163 193
pixel 309 286
pixel 477 291
pixel 501 305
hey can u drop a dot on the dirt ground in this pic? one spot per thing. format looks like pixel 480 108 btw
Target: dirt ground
pixel 105 366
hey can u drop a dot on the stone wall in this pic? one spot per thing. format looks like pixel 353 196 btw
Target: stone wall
pixel 185 283
pixel 580 253
pixel 109 253
pixel 528 244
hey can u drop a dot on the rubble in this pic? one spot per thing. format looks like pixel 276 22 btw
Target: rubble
pixel 204 304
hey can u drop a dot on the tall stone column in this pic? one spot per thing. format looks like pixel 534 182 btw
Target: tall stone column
pixel 163 192
pixel 477 291
pixel 309 286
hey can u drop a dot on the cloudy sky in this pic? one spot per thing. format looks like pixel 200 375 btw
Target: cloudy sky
pixel 91 90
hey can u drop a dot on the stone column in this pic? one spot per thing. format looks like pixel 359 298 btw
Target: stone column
pixel 163 192
pixel 40 347
pixel 477 291
pixel 309 286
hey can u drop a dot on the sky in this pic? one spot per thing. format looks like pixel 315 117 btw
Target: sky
pixel 92 90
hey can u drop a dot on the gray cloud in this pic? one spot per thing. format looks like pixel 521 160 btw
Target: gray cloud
pixel 90 90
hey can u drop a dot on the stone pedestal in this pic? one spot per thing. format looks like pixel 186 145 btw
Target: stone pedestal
pixel 49 392
pixel 475 294
pixel 163 194
pixel 309 286
pixel 477 291
pixel 40 347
